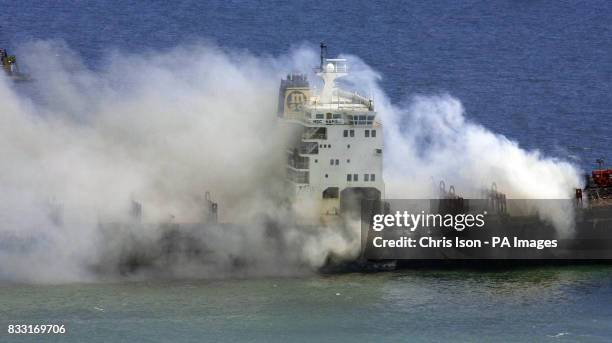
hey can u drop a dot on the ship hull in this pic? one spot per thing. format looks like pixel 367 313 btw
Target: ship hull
pixel 128 251
pixel 589 242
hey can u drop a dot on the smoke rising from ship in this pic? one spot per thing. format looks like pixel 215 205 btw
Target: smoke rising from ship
pixel 429 138
pixel 162 128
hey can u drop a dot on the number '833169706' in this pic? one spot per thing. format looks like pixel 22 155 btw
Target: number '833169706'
pixel 36 329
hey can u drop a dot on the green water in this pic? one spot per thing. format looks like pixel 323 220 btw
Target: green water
pixel 568 304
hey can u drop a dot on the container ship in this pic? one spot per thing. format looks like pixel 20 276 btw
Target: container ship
pixel 334 177
pixel 334 174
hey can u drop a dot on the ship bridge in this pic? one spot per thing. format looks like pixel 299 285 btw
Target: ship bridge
pixel 331 105
pixel 335 145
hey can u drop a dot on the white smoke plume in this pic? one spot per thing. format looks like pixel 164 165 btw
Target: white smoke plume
pixel 429 139
pixel 164 127
pixel 439 143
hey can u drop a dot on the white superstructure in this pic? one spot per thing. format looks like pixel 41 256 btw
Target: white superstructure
pixel 334 155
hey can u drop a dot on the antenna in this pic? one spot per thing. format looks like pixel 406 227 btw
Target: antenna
pixel 323 54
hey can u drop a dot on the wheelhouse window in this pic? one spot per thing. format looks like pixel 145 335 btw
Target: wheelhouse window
pixel 366 177
pixel 373 133
pixel 372 177
pixel 367 133
pixel 349 177
pixel 355 177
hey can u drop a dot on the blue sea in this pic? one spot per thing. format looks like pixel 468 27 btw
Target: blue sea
pixel 538 72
